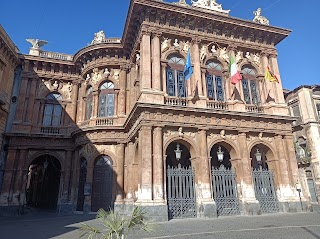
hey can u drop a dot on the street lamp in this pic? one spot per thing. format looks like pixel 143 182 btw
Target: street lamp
pixel 220 154
pixel 45 164
pixel 178 152
pixel 298 188
pixel 258 156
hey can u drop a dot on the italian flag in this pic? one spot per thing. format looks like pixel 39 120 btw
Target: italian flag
pixel 234 73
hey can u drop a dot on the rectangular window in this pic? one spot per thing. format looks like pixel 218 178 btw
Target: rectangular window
pixel 110 105
pixel 47 116
pixel 219 89
pixel 246 92
pixel 171 83
pixel 56 116
pixel 181 84
pixel 318 109
pixel 102 106
pixel 88 108
pixel 210 87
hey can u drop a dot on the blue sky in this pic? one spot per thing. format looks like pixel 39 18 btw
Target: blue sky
pixel 69 26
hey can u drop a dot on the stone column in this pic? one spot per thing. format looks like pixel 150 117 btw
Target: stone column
pixel 204 82
pixel 32 92
pixel 81 103
pixel 120 172
pixel 5 198
pixel 250 204
pixel 204 174
pixel 158 178
pixel 66 188
pixel 145 147
pixel 283 166
pixel 130 187
pixel 75 90
pixel 145 61
pixel 156 54
pixel 164 77
pixel 292 160
pixel 197 67
pixel 268 86
pixel 21 99
pixel 278 86
pixel 19 180
pixel 75 176
pixel 122 93
pixel 95 104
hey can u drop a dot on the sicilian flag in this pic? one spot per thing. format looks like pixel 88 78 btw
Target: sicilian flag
pixel 234 73
pixel 270 76
pixel 188 67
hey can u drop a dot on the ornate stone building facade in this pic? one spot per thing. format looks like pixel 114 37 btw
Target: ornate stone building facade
pixel 304 103
pixel 8 63
pixel 116 124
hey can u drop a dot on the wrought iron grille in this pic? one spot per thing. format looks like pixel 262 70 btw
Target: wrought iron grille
pixel 265 190
pixel 181 192
pixel 225 191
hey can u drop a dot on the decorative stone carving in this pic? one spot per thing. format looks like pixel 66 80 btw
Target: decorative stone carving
pixel 137 57
pixel 209 5
pixel 116 74
pixel 165 45
pixel 45 85
pixel 36 43
pixel 186 47
pixel 203 52
pixel 67 90
pixel 56 85
pixel 176 43
pixel 99 37
pixel 260 19
pixel 87 150
pixel 181 3
pixel 213 49
pixel 239 57
pixel 254 57
pixel 223 54
pixel 96 76
pixel 106 72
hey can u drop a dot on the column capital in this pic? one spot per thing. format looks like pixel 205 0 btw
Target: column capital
pixel 195 40
pixel 156 34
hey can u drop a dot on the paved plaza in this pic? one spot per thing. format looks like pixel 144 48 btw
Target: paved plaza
pixel 278 226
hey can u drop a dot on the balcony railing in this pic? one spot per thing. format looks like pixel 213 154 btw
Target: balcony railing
pixel 50 130
pixel 211 104
pixel 104 121
pixel 176 101
pixel 254 108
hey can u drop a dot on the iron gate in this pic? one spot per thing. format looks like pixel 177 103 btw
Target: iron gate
pixel 225 191
pixel 265 190
pixel 180 192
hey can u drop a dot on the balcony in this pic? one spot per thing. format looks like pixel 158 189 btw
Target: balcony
pixel 176 101
pixel 52 130
pixel 211 104
pixel 109 121
pixel 254 109
pixel 104 121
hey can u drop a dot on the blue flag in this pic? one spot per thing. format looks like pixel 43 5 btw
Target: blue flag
pixel 188 67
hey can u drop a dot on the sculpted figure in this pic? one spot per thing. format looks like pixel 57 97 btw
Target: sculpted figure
pixel 239 56
pixel 165 45
pixel 106 72
pixel 213 49
pixel 137 57
pixel 209 4
pixel 256 58
pixel 67 89
pixel 248 56
pixel 99 37
pixel 186 47
pixel 223 54
pixel 56 85
pixel 260 19
pixel 203 52
pixel 88 77
pixel 36 43
pixel 176 43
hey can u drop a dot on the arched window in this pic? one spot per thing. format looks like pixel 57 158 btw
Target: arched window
pixel 52 110
pixel 89 103
pixel 215 82
pixel 250 86
pixel 106 99
pixel 175 77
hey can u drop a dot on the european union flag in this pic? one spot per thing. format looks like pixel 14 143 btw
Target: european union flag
pixel 188 67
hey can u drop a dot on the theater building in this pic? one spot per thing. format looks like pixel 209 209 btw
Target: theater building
pixel 116 124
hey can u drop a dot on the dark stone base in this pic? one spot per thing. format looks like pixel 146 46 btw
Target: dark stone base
pixel 207 210
pixel 65 208
pixel 8 211
pixel 292 207
pixel 157 212
pixel 250 208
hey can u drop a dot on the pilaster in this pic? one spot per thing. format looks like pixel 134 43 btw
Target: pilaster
pixel 158 179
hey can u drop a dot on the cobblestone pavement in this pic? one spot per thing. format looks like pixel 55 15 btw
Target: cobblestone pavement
pixel 277 226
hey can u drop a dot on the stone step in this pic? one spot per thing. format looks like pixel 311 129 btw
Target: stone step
pixel 316 208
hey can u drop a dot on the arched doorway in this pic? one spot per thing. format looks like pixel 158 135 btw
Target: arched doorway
pixel 102 184
pixel 43 182
pixel 224 183
pixel 263 179
pixel 82 182
pixel 180 182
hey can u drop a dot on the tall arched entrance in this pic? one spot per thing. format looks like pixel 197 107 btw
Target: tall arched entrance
pixel 43 182
pixel 180 181
pixel 263 179
pixel 102 184
pixel 224 185
pixel 82 182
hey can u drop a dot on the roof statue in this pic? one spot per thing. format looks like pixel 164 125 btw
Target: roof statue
pixel 36 43
pixel 210 5
pixel 99 37
pixel 182 3
pixel 260 19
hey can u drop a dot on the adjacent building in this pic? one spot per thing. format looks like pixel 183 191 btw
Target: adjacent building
pixel 304 103
pixel 117 123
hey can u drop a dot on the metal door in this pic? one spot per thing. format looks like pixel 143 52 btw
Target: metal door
pixel 265 191
pixel 225 191
pixel 82 181
pixel 180 192
pixel 102 185
pixel 312 191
